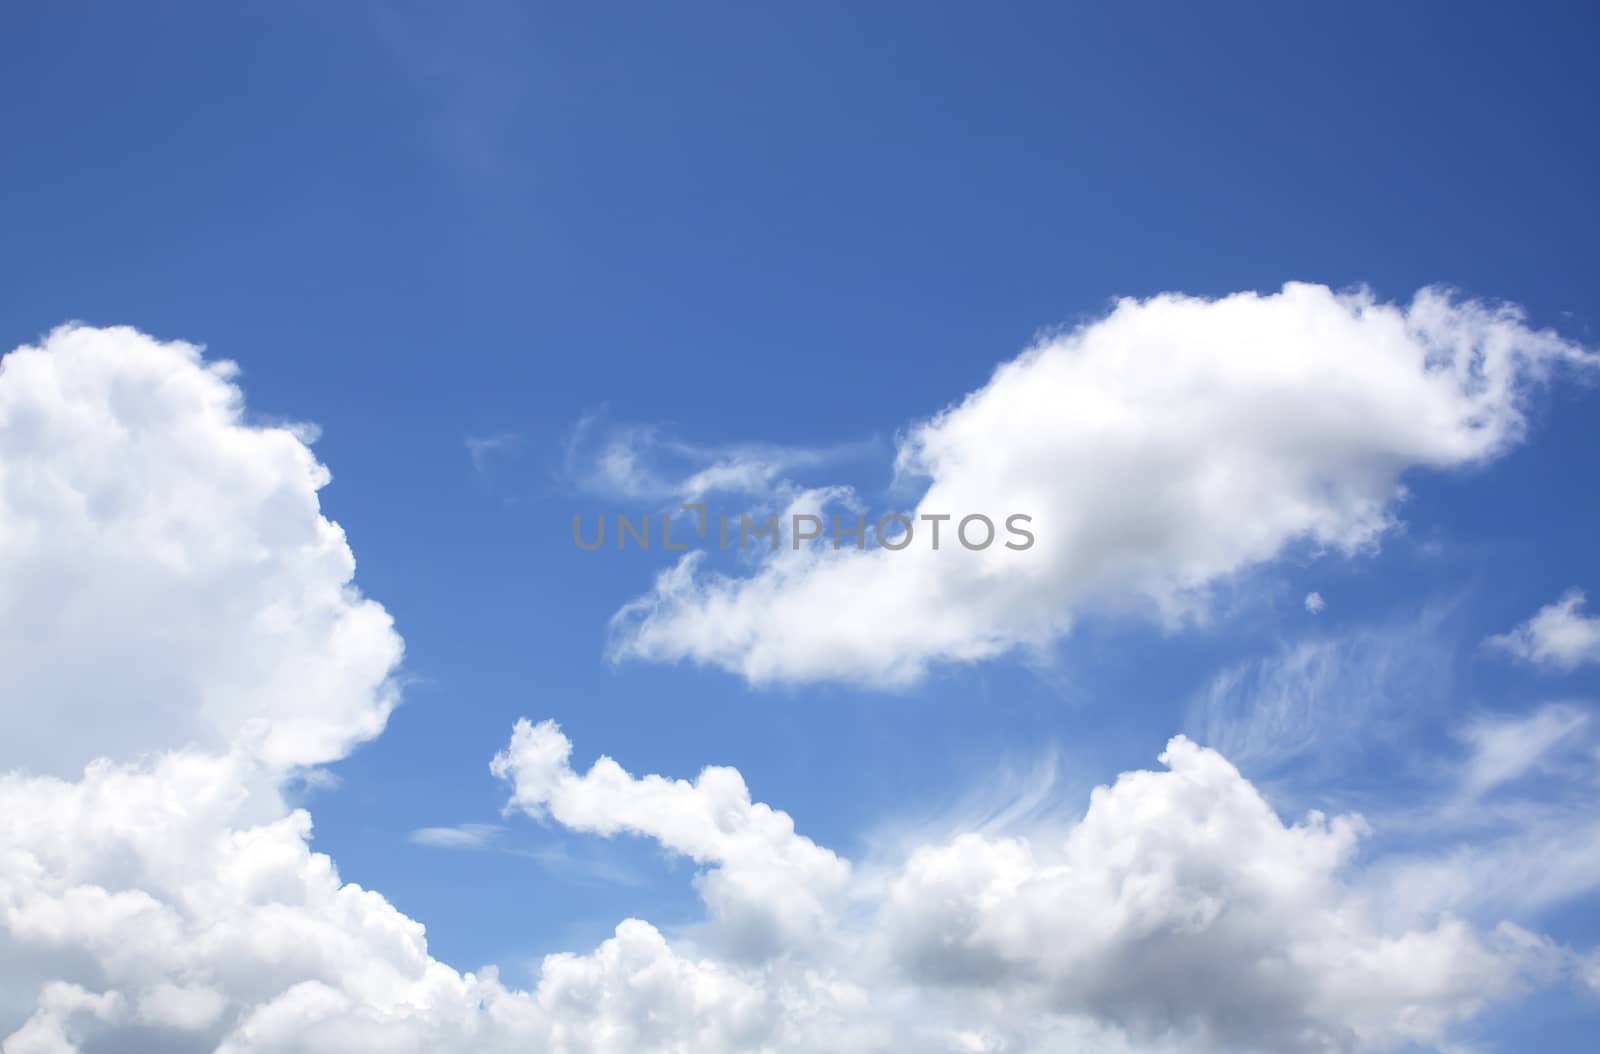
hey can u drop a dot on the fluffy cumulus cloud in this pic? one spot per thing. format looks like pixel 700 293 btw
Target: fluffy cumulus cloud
pixel 1160 450
pixel 169 579
pixel 160 916
pixel 163 897
pixel 1180 907
pixel 179 631
pixel 1560 636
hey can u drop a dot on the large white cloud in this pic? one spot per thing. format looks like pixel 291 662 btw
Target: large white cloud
pixel 168 576
pixel 1160 450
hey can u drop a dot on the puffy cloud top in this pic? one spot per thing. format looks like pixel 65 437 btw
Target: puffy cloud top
pixel 169 577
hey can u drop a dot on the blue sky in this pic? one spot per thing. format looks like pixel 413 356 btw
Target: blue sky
pixel 474 248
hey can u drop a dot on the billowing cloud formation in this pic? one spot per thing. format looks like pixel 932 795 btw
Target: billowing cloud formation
pixel 152 911
pixel 1560 636
pixel 1160 450
pixel 169 579
pixel 1181 904
pixel 174 600
pixel 166 899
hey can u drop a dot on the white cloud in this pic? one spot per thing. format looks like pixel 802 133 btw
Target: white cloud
pixel 166 898
pixel 461 836
pixel 649 463
pixel 1516 831
pixel 1523 861
pixel 768 888
pixel 484 449
pixel 1180 906
pixel 62 1009
pixel 1315 604
pixel 1590 971
pixel 183 922
pixel 174 599
pixel 1559 636
pixel 169 578
pixel 1160 450
pixel 1503 749
pixel 1506 829
pixel 1313 703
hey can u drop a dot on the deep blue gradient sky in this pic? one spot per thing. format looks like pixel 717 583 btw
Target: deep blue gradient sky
pixel 804 225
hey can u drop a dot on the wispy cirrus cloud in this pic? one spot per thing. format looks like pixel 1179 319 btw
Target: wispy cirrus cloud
pixel 1495 819
pixel 647 462
pixel 460 836
pixel 484 450
pixel 1504 750
pixel 1513 828
pixel 556 858
pixel 1314 701
pixel 473 60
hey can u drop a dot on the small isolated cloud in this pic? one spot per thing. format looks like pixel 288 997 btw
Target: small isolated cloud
pixel 1142 495
pixel 483 450
pixel 1559 637
pixel 649 463
pixel 1315 603
pixel 461 836
pixel 589 868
